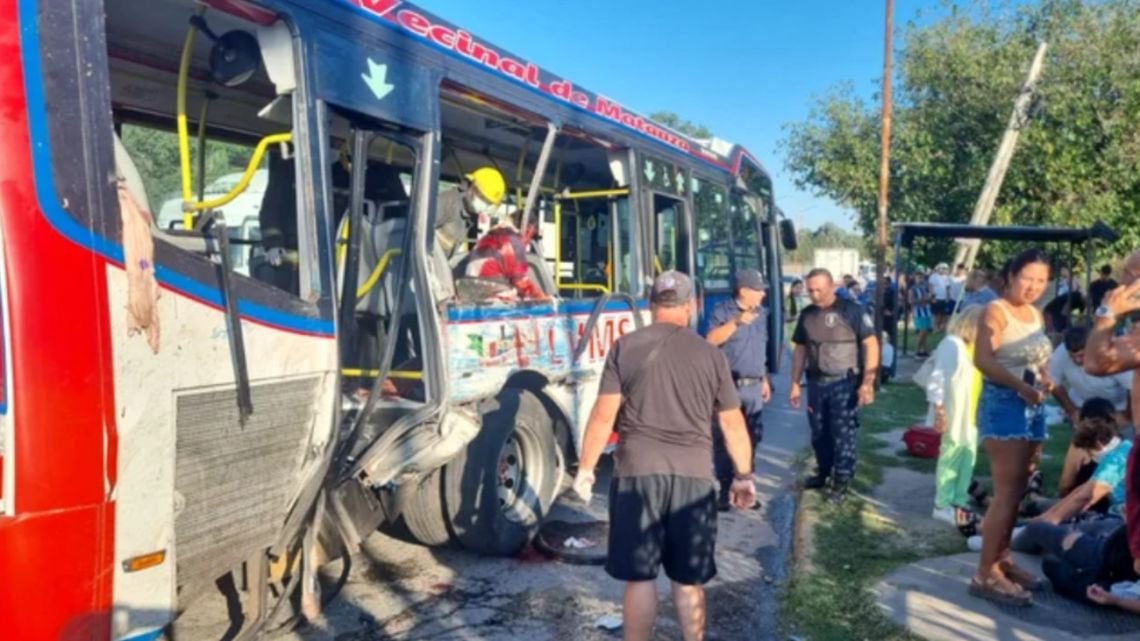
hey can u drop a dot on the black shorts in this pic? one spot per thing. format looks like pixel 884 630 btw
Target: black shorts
pixel 943 307
pixel 662 520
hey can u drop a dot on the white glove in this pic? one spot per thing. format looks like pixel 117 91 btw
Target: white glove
pixel 584 485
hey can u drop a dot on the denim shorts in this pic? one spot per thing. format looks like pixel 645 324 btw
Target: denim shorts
pixel 1002 416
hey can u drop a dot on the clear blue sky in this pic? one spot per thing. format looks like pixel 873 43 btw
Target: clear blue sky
pixel 741 67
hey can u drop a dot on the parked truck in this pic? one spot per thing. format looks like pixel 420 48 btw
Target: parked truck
pixel 837 261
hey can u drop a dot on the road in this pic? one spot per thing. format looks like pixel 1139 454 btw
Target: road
pixel 403 592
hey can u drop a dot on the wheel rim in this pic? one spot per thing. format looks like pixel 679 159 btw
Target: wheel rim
pixel 511 472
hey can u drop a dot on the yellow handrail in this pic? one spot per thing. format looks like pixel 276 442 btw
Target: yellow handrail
pixel 398 374
pixel 246 178
pixel 597 193
pixel 377 272
pixel 584 287
pixel 181 121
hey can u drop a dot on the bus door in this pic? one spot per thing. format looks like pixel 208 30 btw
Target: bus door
pixel 379 151
pixel 713 245
pixel 665 196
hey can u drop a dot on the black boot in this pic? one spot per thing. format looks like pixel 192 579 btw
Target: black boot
pixel 816 482
pixel 839 491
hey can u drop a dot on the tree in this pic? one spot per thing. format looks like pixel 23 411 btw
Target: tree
pixel 827 236
pixel 155 153
pixel 1078 161
pixel 672 120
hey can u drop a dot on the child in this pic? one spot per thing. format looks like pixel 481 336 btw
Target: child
pixel 952 386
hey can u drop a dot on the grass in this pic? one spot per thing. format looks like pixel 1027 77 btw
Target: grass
pixel 853 546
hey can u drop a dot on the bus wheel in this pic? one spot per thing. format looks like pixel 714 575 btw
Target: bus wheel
pixel 500 489
pixel 414 512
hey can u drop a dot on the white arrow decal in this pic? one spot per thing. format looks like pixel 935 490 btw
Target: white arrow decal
pixel 377 79
pixel 650 173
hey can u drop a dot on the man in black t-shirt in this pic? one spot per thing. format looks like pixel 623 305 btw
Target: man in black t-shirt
pixel 661 386
pixel 835 340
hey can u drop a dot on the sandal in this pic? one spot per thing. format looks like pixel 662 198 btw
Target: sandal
pixel 992 590
pixel 1022 577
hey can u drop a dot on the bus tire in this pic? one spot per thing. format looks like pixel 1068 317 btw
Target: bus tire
pixel 415 512
pixel 499 490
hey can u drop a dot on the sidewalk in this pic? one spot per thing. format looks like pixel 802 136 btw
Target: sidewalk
pixel 929 598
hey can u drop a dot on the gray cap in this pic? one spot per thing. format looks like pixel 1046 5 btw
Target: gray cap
pixel 671 288
pixel 749 279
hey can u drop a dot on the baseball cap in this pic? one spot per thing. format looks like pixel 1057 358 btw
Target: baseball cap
pixel 750 279
pixel 671 288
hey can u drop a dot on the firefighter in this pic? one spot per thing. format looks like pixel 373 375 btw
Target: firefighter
pixel 458 210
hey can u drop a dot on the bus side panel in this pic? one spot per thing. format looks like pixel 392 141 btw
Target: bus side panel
pixel 487 346
pixel 189 472
pixel 55 548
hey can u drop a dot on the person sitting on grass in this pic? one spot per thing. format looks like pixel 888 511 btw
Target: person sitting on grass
pixel 1098 434
pixel 952 386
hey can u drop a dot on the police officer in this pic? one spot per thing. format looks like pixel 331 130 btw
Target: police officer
pixel 739 326
pixel 835 340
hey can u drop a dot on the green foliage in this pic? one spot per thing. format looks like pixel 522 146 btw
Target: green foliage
pixel 155 153
pixel 957 77
pixel 672 120
pixel 828 236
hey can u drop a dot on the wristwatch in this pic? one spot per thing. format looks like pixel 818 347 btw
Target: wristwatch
pixel 1104 312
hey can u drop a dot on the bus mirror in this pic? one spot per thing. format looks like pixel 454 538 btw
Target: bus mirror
pixel 788 235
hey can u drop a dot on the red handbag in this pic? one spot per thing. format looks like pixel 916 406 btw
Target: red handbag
pixel 922 442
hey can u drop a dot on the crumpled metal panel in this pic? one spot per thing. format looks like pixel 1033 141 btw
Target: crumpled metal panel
pixel 232 481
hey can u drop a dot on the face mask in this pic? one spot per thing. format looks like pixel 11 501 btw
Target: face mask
pixel 1106 449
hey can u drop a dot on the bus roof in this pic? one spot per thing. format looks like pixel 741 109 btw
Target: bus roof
pixel 440 34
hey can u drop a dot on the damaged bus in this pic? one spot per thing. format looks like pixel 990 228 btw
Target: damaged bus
pixel 312 365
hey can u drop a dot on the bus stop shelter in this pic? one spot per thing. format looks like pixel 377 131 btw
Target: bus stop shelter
pixel 1069 238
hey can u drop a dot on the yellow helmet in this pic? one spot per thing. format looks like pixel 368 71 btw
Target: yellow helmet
pixel 489 183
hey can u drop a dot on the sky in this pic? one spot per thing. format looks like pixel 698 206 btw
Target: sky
pixel 743 68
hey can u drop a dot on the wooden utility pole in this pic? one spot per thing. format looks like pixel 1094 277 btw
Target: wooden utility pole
pixel 1019 120
pixel 884 172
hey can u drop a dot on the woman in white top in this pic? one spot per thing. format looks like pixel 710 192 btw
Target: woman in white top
pixel 1012 352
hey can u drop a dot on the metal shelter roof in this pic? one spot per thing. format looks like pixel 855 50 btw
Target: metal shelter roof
pixel 908 232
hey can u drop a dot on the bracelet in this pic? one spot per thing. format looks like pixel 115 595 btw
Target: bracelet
pixel 743 477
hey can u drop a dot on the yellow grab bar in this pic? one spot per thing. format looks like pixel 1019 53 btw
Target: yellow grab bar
pixel 398 374
pixel 590 287
pixel 374 277
pixel 246 178
pixel 598 193
pixel 182 124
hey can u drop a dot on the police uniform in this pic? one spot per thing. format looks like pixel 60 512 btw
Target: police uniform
pixel 833 338
pixel 747 354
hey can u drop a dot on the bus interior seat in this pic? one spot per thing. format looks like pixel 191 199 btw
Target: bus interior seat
pixel 277 220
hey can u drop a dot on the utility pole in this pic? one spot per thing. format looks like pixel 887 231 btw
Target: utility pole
pixel 1019 120
pixel 884 173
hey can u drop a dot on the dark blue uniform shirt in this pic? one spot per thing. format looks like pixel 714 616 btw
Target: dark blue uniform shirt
pixel 747 348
